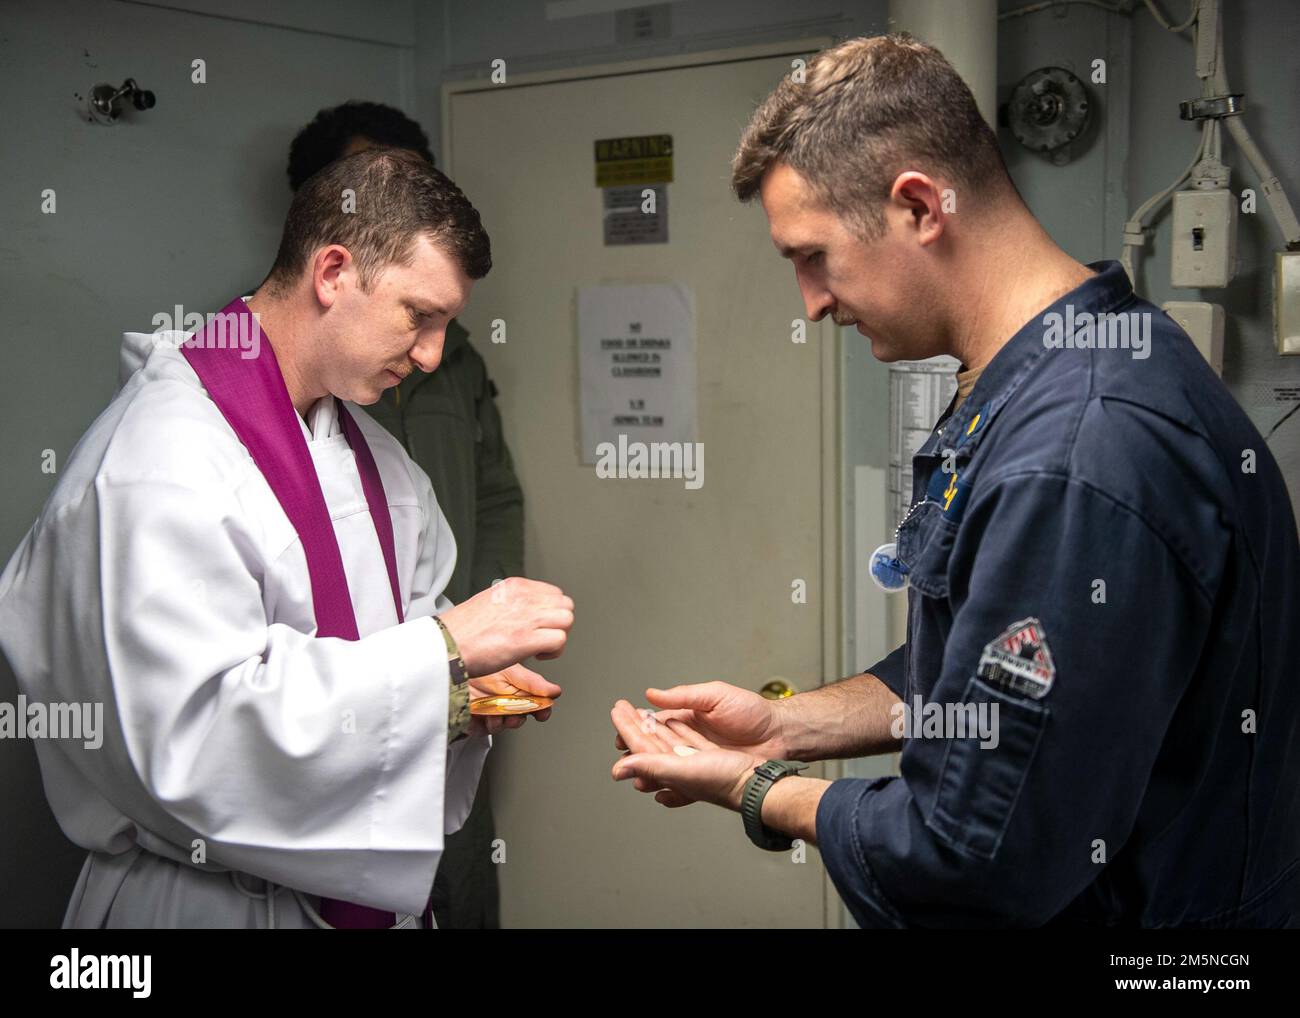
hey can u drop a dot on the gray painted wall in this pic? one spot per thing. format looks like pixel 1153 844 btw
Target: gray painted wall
pixel 1085 203
pixel 1262 62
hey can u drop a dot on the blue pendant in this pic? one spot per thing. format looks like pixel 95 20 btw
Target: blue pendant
pixel 887 572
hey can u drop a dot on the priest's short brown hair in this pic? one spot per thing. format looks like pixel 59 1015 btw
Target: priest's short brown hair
pixel 376 203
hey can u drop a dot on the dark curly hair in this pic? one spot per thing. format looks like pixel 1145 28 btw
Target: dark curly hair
pixel 323 140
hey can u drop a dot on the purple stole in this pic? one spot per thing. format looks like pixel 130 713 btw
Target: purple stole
pixel 251 395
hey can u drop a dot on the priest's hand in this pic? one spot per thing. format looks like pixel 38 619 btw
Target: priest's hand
pixel 678 764
pixel 511 620
pixel 509 681
pixel 727 716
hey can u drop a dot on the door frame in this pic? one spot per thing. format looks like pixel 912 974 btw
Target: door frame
pixel 829 337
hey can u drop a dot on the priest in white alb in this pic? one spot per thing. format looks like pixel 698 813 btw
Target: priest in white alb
pixel 247 573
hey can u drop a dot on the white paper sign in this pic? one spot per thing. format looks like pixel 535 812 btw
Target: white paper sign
pixel 636 363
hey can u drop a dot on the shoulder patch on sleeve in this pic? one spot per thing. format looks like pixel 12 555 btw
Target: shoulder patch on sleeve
pixel 1019 660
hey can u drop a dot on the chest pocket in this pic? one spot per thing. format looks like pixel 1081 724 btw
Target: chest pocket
pixel 925 544
pixel 979 785
pixel 926 538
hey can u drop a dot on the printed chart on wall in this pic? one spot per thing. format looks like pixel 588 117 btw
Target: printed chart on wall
pixel 919 391
pixel 636 364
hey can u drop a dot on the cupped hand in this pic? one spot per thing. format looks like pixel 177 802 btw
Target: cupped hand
pixel 664 757
pixel 727 716
pixel 677 764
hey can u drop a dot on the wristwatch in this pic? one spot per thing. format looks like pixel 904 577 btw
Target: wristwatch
pixel 751 803
pixel 458 716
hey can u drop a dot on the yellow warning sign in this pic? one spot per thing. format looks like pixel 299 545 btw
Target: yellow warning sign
pixel 645 159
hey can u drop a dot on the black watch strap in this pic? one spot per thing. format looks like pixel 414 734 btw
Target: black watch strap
pixel 751 804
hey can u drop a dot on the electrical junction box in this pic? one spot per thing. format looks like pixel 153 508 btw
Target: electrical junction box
pixel 1286 301
pixel 1204 324
pixel 1204 238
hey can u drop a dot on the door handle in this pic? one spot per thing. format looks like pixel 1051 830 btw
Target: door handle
pixel 777 689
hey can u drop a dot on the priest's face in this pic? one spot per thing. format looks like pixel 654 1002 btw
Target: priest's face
pixel 380 337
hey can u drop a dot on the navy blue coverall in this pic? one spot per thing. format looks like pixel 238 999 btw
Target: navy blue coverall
pixel 1106 551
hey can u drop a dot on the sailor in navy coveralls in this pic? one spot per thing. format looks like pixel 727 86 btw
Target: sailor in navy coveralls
pixel 1100 684
pixel 1123 521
